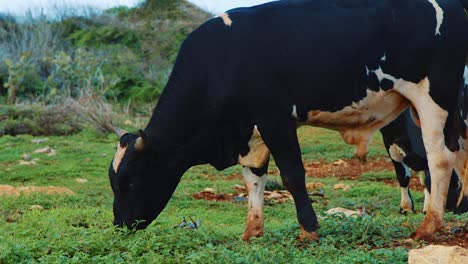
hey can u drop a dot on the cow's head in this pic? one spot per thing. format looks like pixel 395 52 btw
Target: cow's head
pixel 142 181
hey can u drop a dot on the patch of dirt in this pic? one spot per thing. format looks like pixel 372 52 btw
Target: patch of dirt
pixel 9 190
pixel 452 235
pixel 347 169
pixel 211 196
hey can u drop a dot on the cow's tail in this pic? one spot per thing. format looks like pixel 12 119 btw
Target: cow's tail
pixel 465 4
pixel 464 105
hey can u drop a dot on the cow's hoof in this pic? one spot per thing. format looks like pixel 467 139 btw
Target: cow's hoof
pixel 421 235
pixel 405 212
pixel 249 234
pixel 308 237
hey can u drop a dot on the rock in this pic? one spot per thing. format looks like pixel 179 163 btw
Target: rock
pixel 39 140
pixel 26 157
pixel 81 180
pixel 344 211
pixel 340 163
pixel 36 207
pixel 314 185
pixel 47 150
pixel 28 163
pixel 210 190
pixel 341 186
pixel 438 254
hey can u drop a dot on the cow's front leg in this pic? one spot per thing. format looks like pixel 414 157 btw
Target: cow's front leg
pixel 281 138
pixel 255 181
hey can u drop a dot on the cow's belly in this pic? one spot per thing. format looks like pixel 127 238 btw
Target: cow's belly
pixel 356 124
pixel 359 121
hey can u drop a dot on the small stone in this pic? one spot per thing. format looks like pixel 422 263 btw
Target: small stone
pixel 39 140
pixel 344 211
pixel 341 186
pixel 314 185
pixel 340 163
pixel 47 150
pixel 210 190
pixel 26 157
pixel 81 180
pixel 36 207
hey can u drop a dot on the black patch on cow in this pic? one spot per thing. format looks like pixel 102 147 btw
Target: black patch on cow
pixel 386 84
pixel 373 82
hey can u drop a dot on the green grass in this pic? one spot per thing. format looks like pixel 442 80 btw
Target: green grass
pixel 78 229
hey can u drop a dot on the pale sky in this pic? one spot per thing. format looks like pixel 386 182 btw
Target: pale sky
pixel 19 7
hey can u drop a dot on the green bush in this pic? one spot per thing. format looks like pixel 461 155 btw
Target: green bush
pixel 39 120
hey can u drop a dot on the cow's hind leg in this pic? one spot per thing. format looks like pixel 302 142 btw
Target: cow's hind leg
pixel 255 181
pixel 281 138
pixel 440 158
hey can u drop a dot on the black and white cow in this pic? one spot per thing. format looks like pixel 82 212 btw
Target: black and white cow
pixel 403 141
pixel 244 81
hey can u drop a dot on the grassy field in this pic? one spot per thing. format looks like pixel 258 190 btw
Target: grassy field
pixel 78 229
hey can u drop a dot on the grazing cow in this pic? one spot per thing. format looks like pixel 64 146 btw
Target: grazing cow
pixel 244 81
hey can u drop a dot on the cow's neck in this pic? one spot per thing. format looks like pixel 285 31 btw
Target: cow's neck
pixel 177 121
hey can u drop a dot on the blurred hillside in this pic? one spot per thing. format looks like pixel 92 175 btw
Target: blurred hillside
pixel 123 54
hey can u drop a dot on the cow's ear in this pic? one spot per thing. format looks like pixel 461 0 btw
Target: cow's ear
pixel 141 142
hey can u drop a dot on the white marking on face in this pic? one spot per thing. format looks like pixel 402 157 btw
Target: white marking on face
pixel 226 19
pixel 294 111
pixel 119 154
pixel 258 153
pixel 255 187
pixel 439 15
pixel 367 71
pixel 405 203
pixel 426 199
pixel 396 153
pixel 381 75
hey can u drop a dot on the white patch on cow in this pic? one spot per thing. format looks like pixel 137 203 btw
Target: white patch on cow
pixel 255 186
pixel 367 71
pixel 381 75
pixel 439 15
pixel 407 171
pixel 359 121
pixel 294 111
pixel 440 158
pixel 405 204
pixel 426 199
pixel 226 19
pixel 258 152
pixel 396 153
pixel 462 143
pixel 119 154
pixel 384 57
pixel 465 76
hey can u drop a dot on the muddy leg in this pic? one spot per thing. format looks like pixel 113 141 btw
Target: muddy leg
pixel 254 180
pixel 281 138
pixel 440 158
